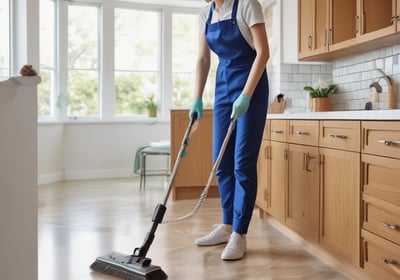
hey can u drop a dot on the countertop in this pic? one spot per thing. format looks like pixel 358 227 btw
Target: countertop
pixel 342 115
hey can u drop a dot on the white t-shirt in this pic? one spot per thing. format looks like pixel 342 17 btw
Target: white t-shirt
pixel 249 13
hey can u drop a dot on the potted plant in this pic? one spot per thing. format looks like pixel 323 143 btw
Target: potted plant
pixel 151 106
pixel 319 96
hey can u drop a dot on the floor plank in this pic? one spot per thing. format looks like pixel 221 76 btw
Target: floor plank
pixel 80 220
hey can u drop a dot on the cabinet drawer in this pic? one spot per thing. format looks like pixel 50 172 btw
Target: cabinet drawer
pixel 382 218
pixel 279 130
pixel 303 132
pixel 381 178
pixel 343 135
pixel 267 130
pixel 381 257
pixel 381 138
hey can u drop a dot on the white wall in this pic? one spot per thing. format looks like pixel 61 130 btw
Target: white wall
pixel 50 153
pixel 18 177
pixel 73 151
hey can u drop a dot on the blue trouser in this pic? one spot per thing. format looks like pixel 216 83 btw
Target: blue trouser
pixel 237 173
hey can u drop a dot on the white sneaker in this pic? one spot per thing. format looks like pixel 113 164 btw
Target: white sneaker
pixel 235 248
pixel 215 237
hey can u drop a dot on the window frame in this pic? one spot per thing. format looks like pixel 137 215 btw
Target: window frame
pixel 106 86
pixel 10 37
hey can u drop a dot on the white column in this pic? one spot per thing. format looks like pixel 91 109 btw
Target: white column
pixel 25 34
pixel 18 178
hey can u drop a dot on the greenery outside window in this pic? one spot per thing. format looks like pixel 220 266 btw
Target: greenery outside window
pixel 185 38
pixel 136 60
pixel 4 39
pixel 83 60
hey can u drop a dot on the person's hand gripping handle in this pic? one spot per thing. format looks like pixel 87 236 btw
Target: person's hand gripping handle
pixel 240 106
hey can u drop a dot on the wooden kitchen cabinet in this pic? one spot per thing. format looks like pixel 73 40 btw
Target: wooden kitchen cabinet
pixel 302 207
pixel 381 199
pixel 279 169
pixel 313 20
pixel 340 190
pixel 196 166
pixel 352 26
pixel 327 24
pixel 264 171
pixel 342 23
pixel 302 212
pixel 377 18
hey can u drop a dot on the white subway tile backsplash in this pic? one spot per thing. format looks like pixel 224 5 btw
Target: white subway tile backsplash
pixel 380 64
pixel 304 68
pixel 353 75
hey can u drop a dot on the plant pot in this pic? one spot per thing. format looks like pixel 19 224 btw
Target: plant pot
pixel 321 104
pixel 152 113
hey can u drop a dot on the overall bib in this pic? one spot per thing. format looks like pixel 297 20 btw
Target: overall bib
pixel 237 173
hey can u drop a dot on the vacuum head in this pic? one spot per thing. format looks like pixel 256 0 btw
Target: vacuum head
pixel 120 265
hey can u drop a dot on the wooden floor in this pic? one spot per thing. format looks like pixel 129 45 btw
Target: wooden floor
pixel 81 220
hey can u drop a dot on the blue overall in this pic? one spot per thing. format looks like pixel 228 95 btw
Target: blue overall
pixel 237 173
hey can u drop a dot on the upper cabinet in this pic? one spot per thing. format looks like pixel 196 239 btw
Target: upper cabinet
pixel 377 18
pixel 330 29
pixel 311 40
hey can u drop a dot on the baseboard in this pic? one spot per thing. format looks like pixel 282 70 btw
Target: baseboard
pixel 91 175
pixel 49 178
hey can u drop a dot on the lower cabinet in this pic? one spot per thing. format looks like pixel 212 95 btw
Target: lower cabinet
pixel 381 199
pixel 340 204
pixel 196 166
pixel 312 183
pixel 278 180
pixel 302 210
pixel 381 257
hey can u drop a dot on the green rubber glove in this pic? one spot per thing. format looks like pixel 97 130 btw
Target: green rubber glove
pixel 196 108
pixel 240 106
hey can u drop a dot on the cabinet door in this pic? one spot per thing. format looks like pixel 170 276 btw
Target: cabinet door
pixel 263 175
pixel 302 213
pixel 277 190
pixel 343 23
pixel 340 203
pixel 196 166
pixel 306 27
pixel 377 18
pixel 321 26
pixel 313 27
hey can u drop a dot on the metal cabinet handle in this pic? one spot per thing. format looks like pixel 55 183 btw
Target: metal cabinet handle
pixel 390 226
pixel 298 132
pixel 392 264
pixel 338 136
pixel 277 131
pixel 357 24
pixel 389 142
pixel 309 41
pixel 306 162
pixel 265 195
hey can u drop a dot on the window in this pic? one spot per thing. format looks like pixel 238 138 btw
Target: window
pixel 185 38
pixel 136 60
pixel 4 39
pixel 46 89
pixel 106 63
pixel 83 60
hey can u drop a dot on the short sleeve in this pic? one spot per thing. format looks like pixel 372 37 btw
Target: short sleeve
pixel 252 12
pixel 203 15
